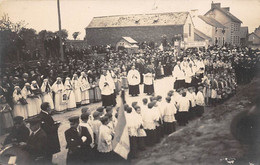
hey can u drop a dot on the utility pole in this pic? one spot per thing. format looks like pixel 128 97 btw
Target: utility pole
pixel 60 37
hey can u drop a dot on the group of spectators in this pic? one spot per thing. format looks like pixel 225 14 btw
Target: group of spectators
pixel 200 78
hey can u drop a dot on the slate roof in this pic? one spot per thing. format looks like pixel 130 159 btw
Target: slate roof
pixel 201 34
pixel 227 13
pixel 211 21
pixel 155 19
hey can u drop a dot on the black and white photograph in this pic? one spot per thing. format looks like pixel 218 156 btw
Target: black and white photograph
pixel 129 82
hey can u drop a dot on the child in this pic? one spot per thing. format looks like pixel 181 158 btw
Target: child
pixel 150 119
pixel 140 131
pixel 183 106
pixel 168 117
pixel 200 102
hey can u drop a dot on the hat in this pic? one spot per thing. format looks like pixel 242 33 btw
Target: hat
pixel 74 119
pixel 35 120
pixel 84 110
pixel 96 114
pixel 100 109
pixel 18 119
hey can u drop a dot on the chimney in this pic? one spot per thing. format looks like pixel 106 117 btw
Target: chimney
pixel 226 8
pixel 194 13
pixel 215 5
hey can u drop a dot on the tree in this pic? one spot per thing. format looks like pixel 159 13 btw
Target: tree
pixel 64 33
pixel 6 24
pixel 11 43
pixel 75 35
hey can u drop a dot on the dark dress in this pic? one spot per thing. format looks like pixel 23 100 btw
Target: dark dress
pixel 51 129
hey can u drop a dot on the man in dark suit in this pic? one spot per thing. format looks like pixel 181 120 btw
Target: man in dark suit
pixel 19 133
pixel 78 141
pixel 50 127
pixel 36 144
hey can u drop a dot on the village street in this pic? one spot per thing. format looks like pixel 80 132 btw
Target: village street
pixel 162 86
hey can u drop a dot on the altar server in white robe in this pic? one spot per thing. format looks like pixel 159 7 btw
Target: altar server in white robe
pixel 178 76
pixel 20 106
pixel 149 82
pixel 106 85
pixel 76 89
pixel 189 72
pixel 169 116
pixel 200 101
pixel 47 93
pixel 71 102
pixel 31 100
pixel 37 92
pixel 133 78
pixel 84 86
pixel 59 102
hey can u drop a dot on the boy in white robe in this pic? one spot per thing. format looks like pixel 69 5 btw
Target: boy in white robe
pixel 183 106
pixel 192 109
pixel 140 131
pixel 200 101
pixel 169 116
pixel 105 138
pixel 150 118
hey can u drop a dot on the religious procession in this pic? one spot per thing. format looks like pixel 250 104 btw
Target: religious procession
pixel 133 90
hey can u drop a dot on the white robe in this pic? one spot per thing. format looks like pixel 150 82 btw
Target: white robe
pixel 71 102
pixel 58 89
pixel 19 109
pixel 104 139
pixel 85 92
pixel 76 90
pixel 183 105
pixel 177 73
pixel 106 89
pixel 200 99
pixel 169 112
pixel 32 102
pixel 148 78
pixel 47 96
pixel 133 77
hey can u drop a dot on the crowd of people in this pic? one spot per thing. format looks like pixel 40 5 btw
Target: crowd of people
pixel 200 78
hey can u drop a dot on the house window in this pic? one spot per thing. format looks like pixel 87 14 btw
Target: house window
pixel 223 40
pixel 189 29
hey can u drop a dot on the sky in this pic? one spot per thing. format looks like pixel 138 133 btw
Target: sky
pixel 77 14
